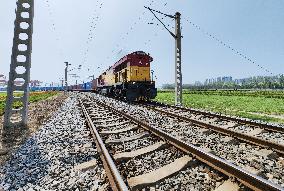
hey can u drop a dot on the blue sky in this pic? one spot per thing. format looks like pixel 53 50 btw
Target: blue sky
pixel 254 28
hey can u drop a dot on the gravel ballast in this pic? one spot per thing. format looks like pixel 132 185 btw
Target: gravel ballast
pixel 49 159
pixel 249 157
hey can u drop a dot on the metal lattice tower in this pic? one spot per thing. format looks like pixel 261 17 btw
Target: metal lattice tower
pixel 178 75
pixel 20 65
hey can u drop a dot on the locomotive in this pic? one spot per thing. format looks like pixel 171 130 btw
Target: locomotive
pixel 129 78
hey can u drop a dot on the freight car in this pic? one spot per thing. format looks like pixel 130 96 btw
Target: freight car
pixel 86 86
pixel 129 78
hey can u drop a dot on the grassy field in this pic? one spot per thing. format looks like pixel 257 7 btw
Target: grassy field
pixel 34 97
pixel 252 93
pixel 253 107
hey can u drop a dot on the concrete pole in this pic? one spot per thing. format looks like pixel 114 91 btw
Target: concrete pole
pixel 66 75
pixel 21 57
pixel 62 83
pixel 178 75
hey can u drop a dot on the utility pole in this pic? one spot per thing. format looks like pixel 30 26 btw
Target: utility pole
pixel 177 36
pixel 92 76
pixel 62 83
pixel 178 75
pixel 66 75
pixel 21 57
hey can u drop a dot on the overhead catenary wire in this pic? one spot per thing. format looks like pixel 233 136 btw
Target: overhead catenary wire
pixel 230 47
pixel 122 46
pixel 91 35
pixel 165 26
pixel 54 28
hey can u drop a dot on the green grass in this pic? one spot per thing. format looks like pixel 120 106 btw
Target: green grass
pixel 243 106
pixel 34 97
pixel 251 93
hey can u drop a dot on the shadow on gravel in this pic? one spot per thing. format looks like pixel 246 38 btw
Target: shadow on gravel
pixel 10 140
pixel 26 164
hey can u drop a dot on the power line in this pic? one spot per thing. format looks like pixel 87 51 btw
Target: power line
pixel 165 26
pixel 119 47
pixel 237 52
pixel 54 28
pixel 91 36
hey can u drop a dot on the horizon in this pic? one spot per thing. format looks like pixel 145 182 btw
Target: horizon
pixel 99 35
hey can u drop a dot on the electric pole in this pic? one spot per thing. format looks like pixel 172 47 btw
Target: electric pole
pixel 66 75
pixel 21 57
pixel 178 75
pixel 62 83
pixel 93 77
pixel 177 36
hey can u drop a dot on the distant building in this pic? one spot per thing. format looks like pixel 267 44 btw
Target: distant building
pixel 3 81
pixel 219 79
pixel 227 79
pixel 35 83
pixel 198 83
pixel 242 81
pixel 19 82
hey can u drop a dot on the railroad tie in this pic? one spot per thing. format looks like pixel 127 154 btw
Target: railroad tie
pixel 108 119
pixel 256 131
pixel 114 124
pixel 229 125
pixel 139 152
pixel 130 127
pixel 228 185
pixel 127 139
pixel 138 182
pixel 86 165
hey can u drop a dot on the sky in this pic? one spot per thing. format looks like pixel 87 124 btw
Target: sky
pixel 96 33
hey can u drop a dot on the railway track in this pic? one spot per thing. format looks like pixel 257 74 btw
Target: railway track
pixel 241 121
pixel 264 135
pixel 137 155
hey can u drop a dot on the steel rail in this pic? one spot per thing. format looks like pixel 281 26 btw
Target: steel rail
pixel 250 180
pixel 113 174
pixel 268 127
pixel 247 138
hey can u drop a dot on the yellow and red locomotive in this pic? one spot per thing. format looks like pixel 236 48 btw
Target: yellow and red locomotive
pixel 128 78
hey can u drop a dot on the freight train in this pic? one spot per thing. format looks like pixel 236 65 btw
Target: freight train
pixel 129 78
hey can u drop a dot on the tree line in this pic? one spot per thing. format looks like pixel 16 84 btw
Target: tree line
pixel 258 82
